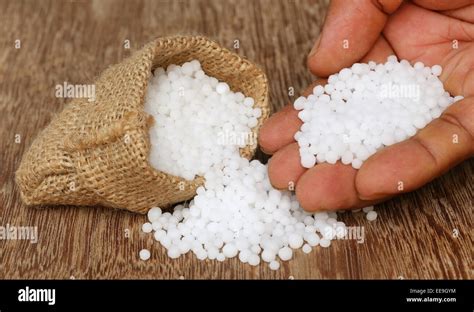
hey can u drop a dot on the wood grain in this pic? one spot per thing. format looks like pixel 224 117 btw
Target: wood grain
pixel 414 236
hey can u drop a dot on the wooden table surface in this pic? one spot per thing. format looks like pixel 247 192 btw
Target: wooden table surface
pixel 424 234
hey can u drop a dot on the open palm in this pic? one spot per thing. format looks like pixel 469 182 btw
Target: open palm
pixel 433 32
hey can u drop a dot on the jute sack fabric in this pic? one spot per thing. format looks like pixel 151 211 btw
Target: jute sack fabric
pixel 96 153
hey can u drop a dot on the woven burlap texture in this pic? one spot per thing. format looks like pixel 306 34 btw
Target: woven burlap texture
pixel 96 153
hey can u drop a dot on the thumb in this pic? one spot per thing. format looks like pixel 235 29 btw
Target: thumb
pixel 349 32
pixel 410 164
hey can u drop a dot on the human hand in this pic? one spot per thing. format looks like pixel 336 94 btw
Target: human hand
pixel 434 32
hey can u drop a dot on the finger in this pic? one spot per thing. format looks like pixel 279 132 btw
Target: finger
pixel 279 130
pixel 285 167
pixel 329 187
pixel 379 52
pixel 431 42
pixel 412 29
pixel 465 14
pixel 458 75
pixel 442 5
pixel 408 165
pixel 350 30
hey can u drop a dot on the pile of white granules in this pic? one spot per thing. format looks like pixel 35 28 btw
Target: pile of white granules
pixel 196 116
pixel 366 107
pixel 201 124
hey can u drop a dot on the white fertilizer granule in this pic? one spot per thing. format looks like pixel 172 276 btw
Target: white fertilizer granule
pixel 306 248
pixel 371 215
pixel 144 254
pixel 237 213
pixel 147 227
pixel 274 265
pixel 154 213
pixel 368 209
pixel 366 107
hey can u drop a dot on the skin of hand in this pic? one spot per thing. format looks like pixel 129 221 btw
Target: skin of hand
pixel 434 32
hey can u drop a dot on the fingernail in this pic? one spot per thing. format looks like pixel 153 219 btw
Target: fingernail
pixel 265 152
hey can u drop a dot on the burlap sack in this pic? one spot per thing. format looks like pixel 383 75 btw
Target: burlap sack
pixel 96 153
